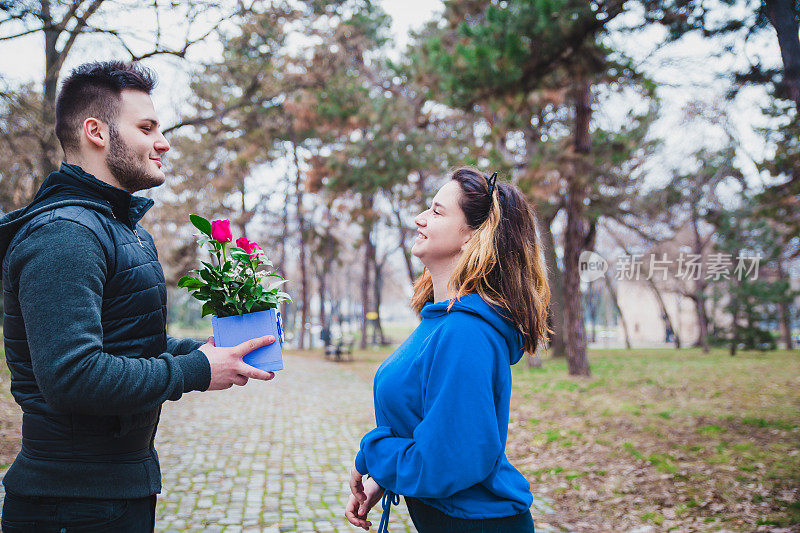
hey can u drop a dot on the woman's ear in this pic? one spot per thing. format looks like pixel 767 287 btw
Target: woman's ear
pixel 467 236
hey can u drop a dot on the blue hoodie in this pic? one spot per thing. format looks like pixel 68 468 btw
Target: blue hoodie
pixel 441 407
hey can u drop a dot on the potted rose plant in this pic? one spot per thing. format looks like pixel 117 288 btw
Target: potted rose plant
pixel 240 292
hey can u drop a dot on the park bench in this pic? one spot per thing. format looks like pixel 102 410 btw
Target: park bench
pixel 340 347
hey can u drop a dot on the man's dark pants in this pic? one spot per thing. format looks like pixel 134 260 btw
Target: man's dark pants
pixel 40 514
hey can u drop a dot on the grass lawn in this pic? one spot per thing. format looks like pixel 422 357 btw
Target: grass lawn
pixel 680 440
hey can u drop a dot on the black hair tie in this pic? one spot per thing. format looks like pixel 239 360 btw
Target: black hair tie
pixel 491 183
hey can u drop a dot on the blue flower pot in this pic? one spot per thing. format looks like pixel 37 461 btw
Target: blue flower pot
pixel 230 331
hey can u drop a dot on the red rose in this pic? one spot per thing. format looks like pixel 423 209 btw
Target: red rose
pixel 221 230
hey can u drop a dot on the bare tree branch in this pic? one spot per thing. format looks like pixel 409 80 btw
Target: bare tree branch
pixel 76 4
pixel 6 6
pixel 80 24
pixel 635 228
pixel 182 51
pixel 242 103
pixel 22 34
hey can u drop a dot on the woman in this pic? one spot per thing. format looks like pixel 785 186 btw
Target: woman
pixel 442 398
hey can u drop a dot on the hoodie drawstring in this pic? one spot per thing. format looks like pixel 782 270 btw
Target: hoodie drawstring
pixel 388 499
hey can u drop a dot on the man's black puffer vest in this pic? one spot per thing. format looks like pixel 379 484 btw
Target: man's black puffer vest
pixel 74 442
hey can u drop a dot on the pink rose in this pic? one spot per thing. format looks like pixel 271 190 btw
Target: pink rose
pixel 221 230
pixel 248 246
pixel 255 250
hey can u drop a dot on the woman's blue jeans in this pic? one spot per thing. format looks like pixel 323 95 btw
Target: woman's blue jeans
pixel 428 519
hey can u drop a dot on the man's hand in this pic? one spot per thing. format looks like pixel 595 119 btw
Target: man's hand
pixel 227 367
pixel 356 512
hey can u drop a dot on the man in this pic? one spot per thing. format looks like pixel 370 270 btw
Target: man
pixel 85 319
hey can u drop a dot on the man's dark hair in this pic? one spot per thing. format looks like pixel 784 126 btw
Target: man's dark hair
pixel 93 90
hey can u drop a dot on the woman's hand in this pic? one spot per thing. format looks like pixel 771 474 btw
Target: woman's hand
pixel 356 486
pixel 356 511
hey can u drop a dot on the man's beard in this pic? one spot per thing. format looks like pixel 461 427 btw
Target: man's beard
pixel 131 173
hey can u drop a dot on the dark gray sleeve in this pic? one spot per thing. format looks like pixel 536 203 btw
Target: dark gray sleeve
pixel 177 346
pixel 60 270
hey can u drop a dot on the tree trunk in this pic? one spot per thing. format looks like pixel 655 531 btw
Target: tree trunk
pixel 49 154
pixel 323 291
pixel 734 330
pixel 736 297
pixel 366 235
pixel 284 230
pixel 783 18
pixel 785 309
pixel 533 361
pixel 699 296
pixel 613 292
pixel 324 270
pixel 750 340
pixel 403 232
pixel 557 348
pixel 593 301
pixel 244 217
pixel 574 239
pixel 574 326
pixel 301 226
pixel 377 289
pixel 322 277
pixel 699 300
pixel 664 312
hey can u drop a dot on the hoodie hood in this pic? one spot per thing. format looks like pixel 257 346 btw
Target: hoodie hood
pixel 475 305
pixel 72 186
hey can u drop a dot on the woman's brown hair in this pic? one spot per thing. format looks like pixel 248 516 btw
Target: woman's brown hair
pixel 502 261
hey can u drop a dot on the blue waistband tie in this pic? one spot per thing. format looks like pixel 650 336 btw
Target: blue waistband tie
pixel 389 498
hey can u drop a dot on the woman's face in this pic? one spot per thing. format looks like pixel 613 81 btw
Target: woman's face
pixel 442 229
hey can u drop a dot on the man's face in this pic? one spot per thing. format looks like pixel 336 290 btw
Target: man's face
pixel 136 143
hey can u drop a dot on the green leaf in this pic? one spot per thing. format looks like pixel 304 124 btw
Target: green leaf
pixel 284 296
pixel 204 292
pixel 190 282
pixel 276 284
pixel 209 277
pixel 201 224
pixel 239 254
pixel 208 309
pixel 249 305
pixel 199 296
pixel 262 306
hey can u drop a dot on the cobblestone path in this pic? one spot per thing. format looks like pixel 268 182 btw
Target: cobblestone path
pixel 269 457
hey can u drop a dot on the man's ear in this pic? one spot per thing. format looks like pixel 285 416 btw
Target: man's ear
pixel 96 132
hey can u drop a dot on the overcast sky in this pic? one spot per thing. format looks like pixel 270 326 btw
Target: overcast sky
pixel 22 59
